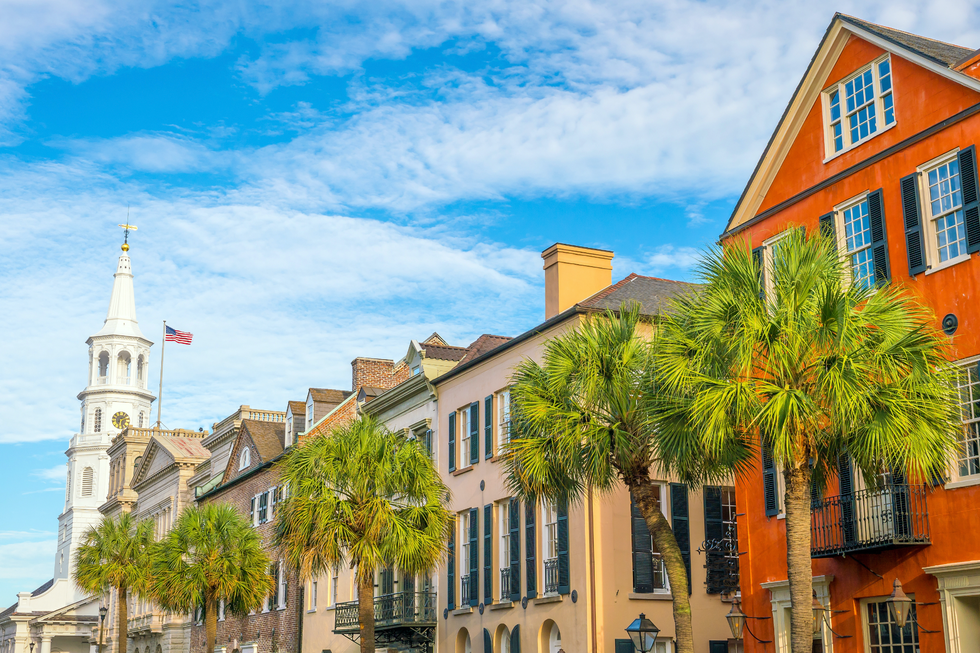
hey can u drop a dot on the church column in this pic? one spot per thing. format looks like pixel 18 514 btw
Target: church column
pixel 45 644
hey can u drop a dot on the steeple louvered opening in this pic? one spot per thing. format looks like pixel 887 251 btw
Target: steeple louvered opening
pixel 88 481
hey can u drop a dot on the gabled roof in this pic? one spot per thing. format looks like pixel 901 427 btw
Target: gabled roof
pixel 267 437
pixel 297 407
pixel 328 395
pixel 483 345
pixel 435 339
pixel 444 352
pixel 937 56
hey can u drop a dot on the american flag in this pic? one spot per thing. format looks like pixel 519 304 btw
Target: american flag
pixel 181 337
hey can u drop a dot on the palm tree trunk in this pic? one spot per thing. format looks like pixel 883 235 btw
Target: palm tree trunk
pixel 647 497
pixel 122 617
pixel 210 622
pixel 798 561
pixel 365 611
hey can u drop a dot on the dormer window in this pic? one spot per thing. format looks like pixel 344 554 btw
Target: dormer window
pixel 309 414
pixel 859 107
pixel 244 459
pixel 416 370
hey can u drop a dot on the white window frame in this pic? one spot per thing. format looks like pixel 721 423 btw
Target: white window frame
pixel 768 246
pixel 549 531
pixel 957 478
pixel 463 426
pixel 503 418
pixel 929 220
pixel 841 235
pixel 503 522
pixel 334 585
pixel 839 87
pixel 244 458
pixel 464 558
pixel 282 586
pixel 313 596
pixel 865 626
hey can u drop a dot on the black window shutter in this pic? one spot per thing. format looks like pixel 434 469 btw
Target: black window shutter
pixel 529 551
pixel 879 238
pixel 487 642
pixel 681 525
pixel 718 646
pixel 846 497
pixel 452 442
pixel 642 551
pixel 515 549
pixel 625 646
pixel 488 553
pixel 474 588
pixel 714 530
pixel 451 572
pixel 828 228
pixel 515 640
pixel 758 259
pixel 564 583
pixel 488 427
pixel 912 215
pixel 971 195
pixel 474 432
pixel 769 482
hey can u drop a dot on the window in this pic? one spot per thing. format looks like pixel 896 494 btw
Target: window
pixel 549 532
pixel 283 588
pixel 503 416
pixel 88 481
pixel 859 107
pixel 464 437
pixel 334 583
pixel 649 573
pixel 882 635
pixel 857 243
pixel 968 382
pixel 140 422
pixel 416 370
pixel 309 414
pixel 98 420
pixel 274 599
pixel 312 607
pixel 944 207
pixel 244 458
pixel 465 563
pixel 263 507
pixel 503 522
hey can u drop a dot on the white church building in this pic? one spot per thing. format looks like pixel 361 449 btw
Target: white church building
pixel 57 617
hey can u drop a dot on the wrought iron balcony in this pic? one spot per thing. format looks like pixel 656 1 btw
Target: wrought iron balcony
pixel 391 611
pixel 870 520
pixel 505 584
pixel 551 576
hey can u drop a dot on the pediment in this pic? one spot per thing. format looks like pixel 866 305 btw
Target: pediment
pixel 155 458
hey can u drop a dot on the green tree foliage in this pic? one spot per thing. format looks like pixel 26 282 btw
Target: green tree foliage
pixel 211 554
pixel 114 556
pixel 365 497
pixel 811 366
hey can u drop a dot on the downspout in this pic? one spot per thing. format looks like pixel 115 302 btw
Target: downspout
pixel 302 612
pixel 592 592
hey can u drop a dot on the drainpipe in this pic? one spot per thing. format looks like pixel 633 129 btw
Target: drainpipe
pixel 595 636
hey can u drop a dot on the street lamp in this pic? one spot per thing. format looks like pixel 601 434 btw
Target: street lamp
pixel 32 647
pixel 818 615
pixel 899 605
pixel 103 611
pixel 643 633
pixel 736 620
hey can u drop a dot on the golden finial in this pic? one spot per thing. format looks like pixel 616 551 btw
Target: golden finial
pixel 128 228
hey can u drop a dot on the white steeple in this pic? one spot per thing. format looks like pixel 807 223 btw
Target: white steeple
pixel 116 396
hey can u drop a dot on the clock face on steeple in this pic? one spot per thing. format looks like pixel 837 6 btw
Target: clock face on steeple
pixel 120 420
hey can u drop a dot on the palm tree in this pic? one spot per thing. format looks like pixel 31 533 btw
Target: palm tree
pixel 365 497
pixel 583 422
pixel 809 365
pixel 113 556
pixel 211 554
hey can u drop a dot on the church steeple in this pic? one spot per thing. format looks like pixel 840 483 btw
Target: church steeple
pixel 121 318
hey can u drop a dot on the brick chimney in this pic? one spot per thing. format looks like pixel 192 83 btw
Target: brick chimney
pixel 371 372
pixel 572 274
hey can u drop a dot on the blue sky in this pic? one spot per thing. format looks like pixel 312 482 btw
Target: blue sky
pixel 315 181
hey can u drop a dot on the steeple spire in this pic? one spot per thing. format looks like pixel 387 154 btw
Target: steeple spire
pixel 121 319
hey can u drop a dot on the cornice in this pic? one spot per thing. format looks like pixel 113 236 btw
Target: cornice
pixel 396 395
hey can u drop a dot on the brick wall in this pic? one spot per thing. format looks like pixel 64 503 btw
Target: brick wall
pixel 371 372
pixel 276 631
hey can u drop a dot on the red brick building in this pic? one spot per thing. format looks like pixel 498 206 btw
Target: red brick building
pixel 878 147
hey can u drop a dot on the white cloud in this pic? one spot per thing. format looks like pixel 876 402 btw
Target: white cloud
pixel 30 560
pixel 670 257
pixel 54 474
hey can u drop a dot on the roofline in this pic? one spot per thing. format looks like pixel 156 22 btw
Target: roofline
pixel 860 165
pixel 923 60
pixel 394 395
pixel 241 477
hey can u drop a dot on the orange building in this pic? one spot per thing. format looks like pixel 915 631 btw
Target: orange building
pixel 877 146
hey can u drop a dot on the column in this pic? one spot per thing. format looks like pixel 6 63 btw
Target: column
pixel 45 644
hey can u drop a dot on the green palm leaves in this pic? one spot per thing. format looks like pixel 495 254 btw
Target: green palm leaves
pixel 365 497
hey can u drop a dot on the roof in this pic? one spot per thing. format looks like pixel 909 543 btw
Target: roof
pixel 328 395
pixel 650 292
pixel 938 51
pixel 183 447
pixel 435 339
pixel 43 588
pixel 444 352
pixel 40 590
pixel 267 436
pixel 298 407
pixel 938 55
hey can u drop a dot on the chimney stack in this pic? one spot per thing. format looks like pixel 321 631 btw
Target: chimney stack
pixel 572 274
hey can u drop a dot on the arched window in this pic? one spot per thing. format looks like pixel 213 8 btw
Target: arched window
pixel 88 480
pixel 141 419
pixel 123 368
pixel 68 486
pixel 463 642
pixel 141 371
pixel 103 366
pixel 245 458
pixel 136 465
pixel 98 420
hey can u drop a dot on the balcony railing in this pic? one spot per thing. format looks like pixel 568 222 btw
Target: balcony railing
pixel 467 588
pixel 101 380
pixel 410 609
pixel 551 576
pixel 895 515
pixel 505 584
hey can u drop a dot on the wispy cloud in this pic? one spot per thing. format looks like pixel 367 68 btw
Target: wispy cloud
pixel 669 258
pixel 54 474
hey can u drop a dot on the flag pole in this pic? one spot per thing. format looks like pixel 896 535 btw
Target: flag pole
pixel 163 347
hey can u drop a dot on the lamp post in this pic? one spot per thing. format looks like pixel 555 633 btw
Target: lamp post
pixel 818 615
pixel 32 647
pixel 102 613
pixel 644 633
pixel 736 620
pixel 899 605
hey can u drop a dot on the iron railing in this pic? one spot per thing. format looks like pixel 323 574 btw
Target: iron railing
pixel 390 611
pixel 551 576
pixel 505 584
pixel 895 515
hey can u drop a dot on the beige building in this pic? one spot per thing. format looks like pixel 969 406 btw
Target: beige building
pixel 542 578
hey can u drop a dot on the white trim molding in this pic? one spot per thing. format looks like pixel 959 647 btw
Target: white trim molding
pixel 958 581
pixel 782 605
